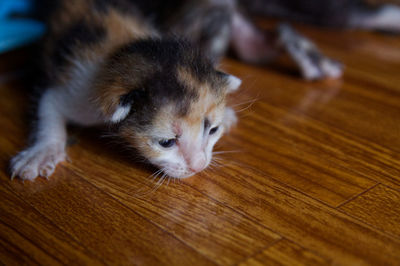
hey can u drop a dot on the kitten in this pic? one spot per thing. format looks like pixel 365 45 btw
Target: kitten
pixel 148 69
pixel 107 64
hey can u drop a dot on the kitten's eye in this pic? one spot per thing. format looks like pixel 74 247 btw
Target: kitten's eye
pixel 167 143
pixel 213 130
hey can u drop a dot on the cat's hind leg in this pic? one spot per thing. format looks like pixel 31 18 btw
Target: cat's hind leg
pixel 254 45
pixel 312 63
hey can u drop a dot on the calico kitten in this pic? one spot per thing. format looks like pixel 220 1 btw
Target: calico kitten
pixel 148 69
pixel 107 64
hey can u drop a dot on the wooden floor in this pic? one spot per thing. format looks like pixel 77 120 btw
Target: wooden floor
pixel 313 177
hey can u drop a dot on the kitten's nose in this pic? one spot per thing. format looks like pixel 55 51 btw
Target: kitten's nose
pixel 198 163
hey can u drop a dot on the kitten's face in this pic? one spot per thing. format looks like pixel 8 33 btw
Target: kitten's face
pixel 181 144
pixel 169 103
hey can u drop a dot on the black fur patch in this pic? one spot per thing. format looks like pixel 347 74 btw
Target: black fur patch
pixel 134 96
pixel 80 34
pixel 169 53
pixel 124 6
pixel 159 11
pixel 216 20
pixel 162 86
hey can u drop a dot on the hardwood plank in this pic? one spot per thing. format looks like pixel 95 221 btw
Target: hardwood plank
pixel 192 217
pixel 285 252
pixel 376 69
pixel 23 253
pixel 300 156
pixel 101 224
pixel 304 149
pixel 334 235
pixel 304 154
pixel 28 237
pixel 379 207
pixel 283 114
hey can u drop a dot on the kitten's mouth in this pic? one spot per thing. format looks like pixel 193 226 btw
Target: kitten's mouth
pixel 179 172
pixel 182 176
pixel 179 175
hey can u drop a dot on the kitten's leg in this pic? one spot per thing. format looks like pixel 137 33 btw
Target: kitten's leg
pixel 256 46
pixel 250 43
pixel 386 17
pixel 48 148
pixel 312 63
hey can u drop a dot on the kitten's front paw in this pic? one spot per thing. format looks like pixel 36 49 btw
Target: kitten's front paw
pixel 40 159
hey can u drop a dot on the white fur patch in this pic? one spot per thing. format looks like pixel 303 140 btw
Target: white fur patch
pixel 388 18
pixel 40 159
pixel 49 148
pixel 230 118
pixel 331 68
pixel 233 83
pixel 120 113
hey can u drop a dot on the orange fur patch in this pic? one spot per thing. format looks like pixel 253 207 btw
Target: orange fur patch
pixel 207 102
pixel 140 142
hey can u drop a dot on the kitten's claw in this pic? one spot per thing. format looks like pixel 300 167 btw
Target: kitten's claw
pixel 29 174
pixel 39 160
pixel 312 63
pixel 47 170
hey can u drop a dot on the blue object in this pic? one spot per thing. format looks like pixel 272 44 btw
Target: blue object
pixel 17 32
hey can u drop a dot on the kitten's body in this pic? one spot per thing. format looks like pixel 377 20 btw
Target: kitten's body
pixel 120 62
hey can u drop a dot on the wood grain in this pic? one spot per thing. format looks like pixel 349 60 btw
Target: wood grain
pixel 299 218
pixel 304 157
pixel 98 222
pixel 234 236
pixel 311 176
pixel 379 207
pixel 285 252
pixel 27 236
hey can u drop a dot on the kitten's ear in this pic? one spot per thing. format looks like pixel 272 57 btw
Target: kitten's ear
pixel 120 113
pixel 117 106
pixel 232 83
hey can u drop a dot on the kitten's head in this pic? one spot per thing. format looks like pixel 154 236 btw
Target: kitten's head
pixel 174 110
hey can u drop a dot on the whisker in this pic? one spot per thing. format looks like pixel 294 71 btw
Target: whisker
pixel 229 162
pixel 155 175
pixel 159 183
pixel 245 102
pixel 216 160
pixel 223 152
pixel 149 180
pixel 215 167
pixel 245 108
pixel 210 169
